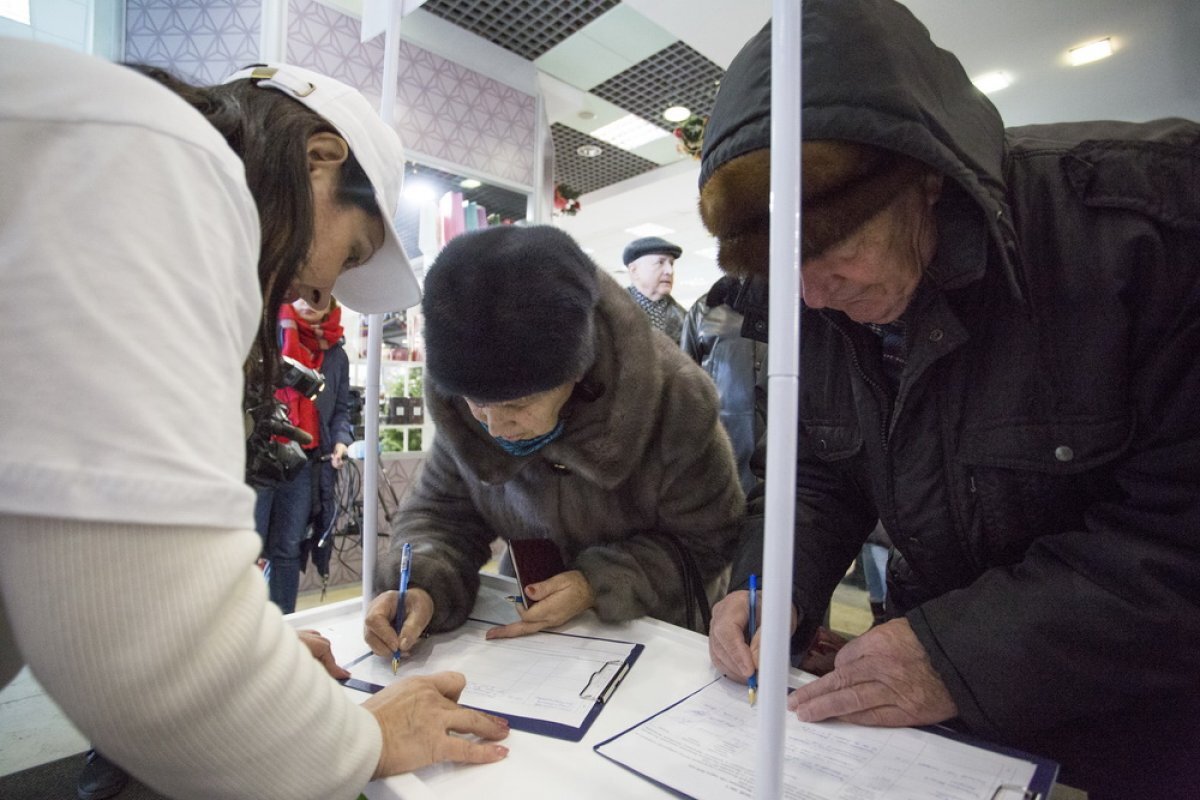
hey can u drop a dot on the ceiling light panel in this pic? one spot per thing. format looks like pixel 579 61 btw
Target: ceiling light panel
pixel 629 132
pixel 676 114
pixel 991 82
pixel 1092 51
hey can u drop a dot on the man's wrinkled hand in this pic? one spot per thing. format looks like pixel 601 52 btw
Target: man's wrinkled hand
pixel 557 600
pixel 379 629
pixel 884 678
pixel 727 636
pixel 417 716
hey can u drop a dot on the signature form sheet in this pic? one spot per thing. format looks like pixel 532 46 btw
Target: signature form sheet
pixel 704 747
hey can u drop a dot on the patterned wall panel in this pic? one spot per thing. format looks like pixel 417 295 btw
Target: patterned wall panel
pixel 200 40
pixel 443 109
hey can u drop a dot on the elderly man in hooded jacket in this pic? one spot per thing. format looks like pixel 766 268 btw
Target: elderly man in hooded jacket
pixel 1000 329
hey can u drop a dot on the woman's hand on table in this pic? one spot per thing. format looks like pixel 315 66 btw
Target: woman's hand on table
pixel 417 716
pixel 557 600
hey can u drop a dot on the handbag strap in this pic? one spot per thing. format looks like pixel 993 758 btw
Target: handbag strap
pixel 693 585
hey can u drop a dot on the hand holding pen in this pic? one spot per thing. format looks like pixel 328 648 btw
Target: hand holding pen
pixel 401 604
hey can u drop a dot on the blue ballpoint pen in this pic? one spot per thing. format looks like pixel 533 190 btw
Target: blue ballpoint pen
pixel 752 683
pixel 401 605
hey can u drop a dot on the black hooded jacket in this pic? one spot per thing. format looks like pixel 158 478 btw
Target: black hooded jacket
pixel 1038 466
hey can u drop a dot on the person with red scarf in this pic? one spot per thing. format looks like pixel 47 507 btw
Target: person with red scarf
pixel 312 337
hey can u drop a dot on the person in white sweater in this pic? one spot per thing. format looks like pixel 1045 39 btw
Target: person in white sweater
pixel 143 225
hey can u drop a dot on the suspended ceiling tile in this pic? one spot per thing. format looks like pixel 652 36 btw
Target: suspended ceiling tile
pixel 526 27
pixel 676 75
pixel 588 174
pixel 602 112
pixel 661 151
pixel 629 34
pixel 582 61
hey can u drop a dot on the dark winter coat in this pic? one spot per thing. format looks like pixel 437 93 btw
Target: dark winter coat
pixel 644 461
pixel 1038 468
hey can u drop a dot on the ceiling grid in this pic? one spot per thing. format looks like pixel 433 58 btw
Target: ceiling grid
pixel 665 72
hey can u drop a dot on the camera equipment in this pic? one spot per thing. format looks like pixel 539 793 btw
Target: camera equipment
pixel 268 460
pixel 304 380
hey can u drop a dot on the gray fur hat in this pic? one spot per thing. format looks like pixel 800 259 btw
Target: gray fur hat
pixel 509 312
pixel 649 245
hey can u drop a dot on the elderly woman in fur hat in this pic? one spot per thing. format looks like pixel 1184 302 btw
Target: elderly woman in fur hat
pixel 559 416
pixel 1000 329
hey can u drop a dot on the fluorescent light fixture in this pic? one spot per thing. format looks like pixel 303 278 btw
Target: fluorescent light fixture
pixel 709 252
pixel 677 114
pixel 589 150
pixel 470 183
pixel 990 82
pixel 1092 51
pixel 17 10
pixel 649 229
pixel 417 192
pixel 628 132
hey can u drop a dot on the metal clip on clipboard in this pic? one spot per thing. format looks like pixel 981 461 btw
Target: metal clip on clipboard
pixel 599 689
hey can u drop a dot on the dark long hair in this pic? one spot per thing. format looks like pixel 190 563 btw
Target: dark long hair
pixel 269 131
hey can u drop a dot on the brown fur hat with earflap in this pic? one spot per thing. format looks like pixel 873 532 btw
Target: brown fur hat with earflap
pixel 844 185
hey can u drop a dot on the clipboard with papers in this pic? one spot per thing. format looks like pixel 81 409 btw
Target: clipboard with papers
pixel 704 747
pixel 554 684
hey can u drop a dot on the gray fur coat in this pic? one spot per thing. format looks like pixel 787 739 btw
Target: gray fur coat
pixel 646 457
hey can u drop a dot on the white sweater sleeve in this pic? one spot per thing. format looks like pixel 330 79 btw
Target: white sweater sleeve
pixel 160 645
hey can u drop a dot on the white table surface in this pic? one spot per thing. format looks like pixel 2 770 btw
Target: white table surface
pixel 673 664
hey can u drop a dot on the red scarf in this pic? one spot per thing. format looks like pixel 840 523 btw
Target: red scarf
pixel 306 342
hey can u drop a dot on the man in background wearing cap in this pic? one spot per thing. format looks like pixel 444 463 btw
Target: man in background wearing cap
pixel 651 264
pixel 999 339
pixel 559 416
pixel 128 581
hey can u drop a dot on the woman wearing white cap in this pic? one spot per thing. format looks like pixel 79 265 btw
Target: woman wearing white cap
pixel 130 230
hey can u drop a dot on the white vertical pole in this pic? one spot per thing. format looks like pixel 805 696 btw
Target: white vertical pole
pixel 387 108
pixel 272 32
pixel 783 388
pixel 537 203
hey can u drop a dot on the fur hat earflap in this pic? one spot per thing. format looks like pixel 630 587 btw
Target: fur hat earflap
pixel 844 184
pixel 509 312
pixel 735 207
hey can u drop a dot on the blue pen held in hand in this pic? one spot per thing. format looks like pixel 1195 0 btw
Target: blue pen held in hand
pixel 402 600
pixel 752 683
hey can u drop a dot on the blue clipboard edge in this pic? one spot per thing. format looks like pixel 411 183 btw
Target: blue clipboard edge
pixel 1044 775
pixel 556 730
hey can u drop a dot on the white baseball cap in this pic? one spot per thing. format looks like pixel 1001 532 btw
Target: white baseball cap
pixel 386 282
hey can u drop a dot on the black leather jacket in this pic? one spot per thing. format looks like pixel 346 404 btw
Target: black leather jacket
pixel 1038 468
pixel 712 336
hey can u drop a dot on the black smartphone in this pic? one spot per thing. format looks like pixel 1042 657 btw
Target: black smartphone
pixel 534 560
